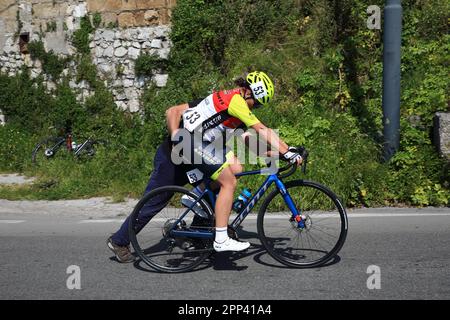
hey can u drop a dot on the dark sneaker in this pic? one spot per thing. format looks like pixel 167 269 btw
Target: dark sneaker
pixel 123 253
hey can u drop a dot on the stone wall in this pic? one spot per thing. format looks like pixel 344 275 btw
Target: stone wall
pixel 133 13
pixel 128 29
pixel 442 133
pixel 115 52
pixel 51 20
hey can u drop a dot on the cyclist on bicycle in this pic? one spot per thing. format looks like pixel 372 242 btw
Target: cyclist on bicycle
pixel 238 103
pixel 215 115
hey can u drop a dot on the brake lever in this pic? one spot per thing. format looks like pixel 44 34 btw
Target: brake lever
pixel 304 154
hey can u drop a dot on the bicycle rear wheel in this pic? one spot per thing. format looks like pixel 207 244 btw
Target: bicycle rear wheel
pixel 325 225
pixel 47 149
pixel 151 221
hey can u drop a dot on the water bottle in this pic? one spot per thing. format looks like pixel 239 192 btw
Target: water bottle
pixel 242 200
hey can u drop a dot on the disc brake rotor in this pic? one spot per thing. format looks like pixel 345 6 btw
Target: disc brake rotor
pixel 48 152
pixel 308 222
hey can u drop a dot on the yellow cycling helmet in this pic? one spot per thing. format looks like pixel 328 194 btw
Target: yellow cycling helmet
pixel 261 86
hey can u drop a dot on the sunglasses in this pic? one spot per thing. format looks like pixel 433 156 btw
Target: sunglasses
pixel 256 103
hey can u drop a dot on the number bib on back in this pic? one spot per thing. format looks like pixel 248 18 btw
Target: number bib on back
pixel 194 117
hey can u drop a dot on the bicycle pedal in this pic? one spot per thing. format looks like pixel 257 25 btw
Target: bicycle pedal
pixel 187 245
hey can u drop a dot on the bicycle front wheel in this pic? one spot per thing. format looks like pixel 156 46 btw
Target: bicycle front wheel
pixel 324 231
pixel 46 149
pixel 152 220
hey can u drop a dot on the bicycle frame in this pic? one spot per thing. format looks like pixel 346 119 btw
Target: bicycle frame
pixel 273 178
pixel 82 146
pixel 59 144
pixel 68 143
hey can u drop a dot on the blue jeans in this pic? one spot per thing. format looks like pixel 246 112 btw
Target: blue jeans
pixel 164 173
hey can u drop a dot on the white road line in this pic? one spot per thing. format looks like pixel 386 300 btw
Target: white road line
pixel 388 215
pixel 11 221
pixel 272 216
pixel 366 215
pixel 101 220
pixel 281 216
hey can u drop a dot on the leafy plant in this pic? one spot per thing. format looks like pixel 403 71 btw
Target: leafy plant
pixel 51 26
pixel 147 64
pixel 52 65
pixel 97 20
pixel 80 38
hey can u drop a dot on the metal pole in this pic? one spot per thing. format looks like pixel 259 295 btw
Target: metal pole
pixel 391 76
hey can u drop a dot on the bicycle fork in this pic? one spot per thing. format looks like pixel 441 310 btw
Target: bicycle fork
pixel 296 214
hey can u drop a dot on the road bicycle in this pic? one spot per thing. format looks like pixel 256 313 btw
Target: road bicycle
pixel 49 147
pixel 301 223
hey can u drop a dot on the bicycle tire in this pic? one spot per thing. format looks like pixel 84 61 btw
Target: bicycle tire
pixel 295 257
pixel 150 254
pixel 41 145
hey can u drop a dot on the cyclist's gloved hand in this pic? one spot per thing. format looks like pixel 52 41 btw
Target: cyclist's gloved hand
pixel 293 156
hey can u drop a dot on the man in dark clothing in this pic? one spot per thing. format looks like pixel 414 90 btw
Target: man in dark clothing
pixel 164 173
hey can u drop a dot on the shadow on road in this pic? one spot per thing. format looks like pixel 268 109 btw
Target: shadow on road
pixel 230 260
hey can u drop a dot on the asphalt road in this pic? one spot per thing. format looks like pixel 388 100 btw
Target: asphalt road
pixel 40 240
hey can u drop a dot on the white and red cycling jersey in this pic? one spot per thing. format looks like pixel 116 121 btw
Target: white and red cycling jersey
pixel 219 112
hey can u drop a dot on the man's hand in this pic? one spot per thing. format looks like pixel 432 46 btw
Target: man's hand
pixel 173 117
pixel 293 156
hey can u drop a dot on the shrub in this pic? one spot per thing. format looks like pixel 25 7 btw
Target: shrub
pixel 15 148
pixel 80 38
pixel 27 110
pixel 52 65
pixel 97 20
pixel 87 71
pixel 147 64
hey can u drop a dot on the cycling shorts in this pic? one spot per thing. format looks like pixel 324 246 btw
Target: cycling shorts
pixel 209 157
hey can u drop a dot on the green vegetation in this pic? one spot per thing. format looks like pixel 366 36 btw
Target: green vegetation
pixel 327 68
pixel 86 70
pixel 19 25
pixel 34 115
pixel 112 25
pixel 52 65
pixel 97 20
pixel 146 64
pixel 51 26
pixel 80 38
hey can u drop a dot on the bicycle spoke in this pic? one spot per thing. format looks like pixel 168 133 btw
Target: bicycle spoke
pixel 324 232
pixel 157 245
